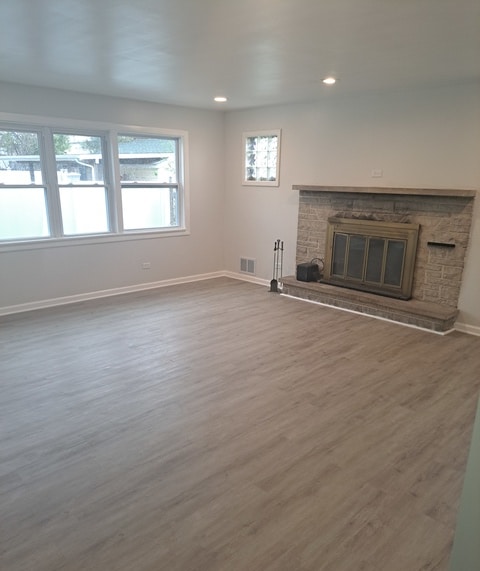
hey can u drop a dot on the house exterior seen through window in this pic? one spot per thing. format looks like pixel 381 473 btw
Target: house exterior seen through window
pixel 149 181
pixel 80 166
pixel 56 183
pixel 23 200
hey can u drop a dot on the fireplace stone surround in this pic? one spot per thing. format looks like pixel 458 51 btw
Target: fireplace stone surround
pixel 444 217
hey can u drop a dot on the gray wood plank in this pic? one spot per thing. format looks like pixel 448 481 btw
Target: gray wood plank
pixel 216 426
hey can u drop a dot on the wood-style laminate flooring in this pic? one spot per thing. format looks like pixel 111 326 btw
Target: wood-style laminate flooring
pixel 215 426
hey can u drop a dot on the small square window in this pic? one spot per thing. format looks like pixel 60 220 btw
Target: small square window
pixel 261 158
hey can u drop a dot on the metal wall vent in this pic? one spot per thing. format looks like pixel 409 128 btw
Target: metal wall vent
pixel 247 266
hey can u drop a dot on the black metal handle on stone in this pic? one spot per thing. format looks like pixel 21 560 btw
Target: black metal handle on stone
pixel 441 244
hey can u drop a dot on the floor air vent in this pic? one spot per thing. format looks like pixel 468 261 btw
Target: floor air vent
pixel 247 266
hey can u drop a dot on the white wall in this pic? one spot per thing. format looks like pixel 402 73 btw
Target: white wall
pixel 419 138
pixel 47 273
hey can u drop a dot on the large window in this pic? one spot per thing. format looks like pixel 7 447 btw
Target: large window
pixel 149 180
pixel 64 183
pixel 23 203
pixel 80 166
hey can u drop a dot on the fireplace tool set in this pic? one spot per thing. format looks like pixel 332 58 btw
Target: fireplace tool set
pixel 277 265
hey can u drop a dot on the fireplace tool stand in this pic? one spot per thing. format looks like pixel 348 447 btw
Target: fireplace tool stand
pixel 277 266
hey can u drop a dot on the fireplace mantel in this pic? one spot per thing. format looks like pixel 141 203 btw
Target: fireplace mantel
pixel 460 193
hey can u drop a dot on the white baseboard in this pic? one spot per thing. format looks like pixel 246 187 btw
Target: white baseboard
pixel 470 329
pixel 46 303
pixel 246 278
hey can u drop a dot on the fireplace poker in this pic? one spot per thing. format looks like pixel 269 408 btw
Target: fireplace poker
pixel 277 265
pixel 281 260
pixel 274 281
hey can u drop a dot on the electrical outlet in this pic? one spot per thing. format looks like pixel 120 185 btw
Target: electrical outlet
pixel 146 265
pixel 377 173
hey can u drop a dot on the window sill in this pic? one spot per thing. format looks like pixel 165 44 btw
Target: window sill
pixel 46 243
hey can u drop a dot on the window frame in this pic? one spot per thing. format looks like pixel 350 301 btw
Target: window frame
pixel 46 127
pixel 153 185
pixel 30 128
pixel 107 182
pixel 255 134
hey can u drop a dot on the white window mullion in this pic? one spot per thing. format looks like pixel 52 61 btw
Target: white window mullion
pixel 115 188
pixel 52 190
pixel 180 150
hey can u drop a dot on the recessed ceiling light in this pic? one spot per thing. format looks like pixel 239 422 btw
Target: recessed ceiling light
pixel 329 80
pixel 220 99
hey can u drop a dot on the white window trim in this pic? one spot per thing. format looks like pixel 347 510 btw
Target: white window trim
pixel 111 131
pixel 265 133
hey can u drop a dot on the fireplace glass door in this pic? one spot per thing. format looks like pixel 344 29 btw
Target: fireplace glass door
pixel 372 256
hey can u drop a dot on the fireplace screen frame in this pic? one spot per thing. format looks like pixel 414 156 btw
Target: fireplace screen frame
pixel 405 233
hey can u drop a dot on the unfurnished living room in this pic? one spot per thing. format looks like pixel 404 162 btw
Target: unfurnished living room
pixel 239 301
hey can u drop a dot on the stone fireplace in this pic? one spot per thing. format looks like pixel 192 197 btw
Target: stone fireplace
pixel 440 220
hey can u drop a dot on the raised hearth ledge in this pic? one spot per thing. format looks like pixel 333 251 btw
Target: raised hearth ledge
pixel 460 193
pixel 424 315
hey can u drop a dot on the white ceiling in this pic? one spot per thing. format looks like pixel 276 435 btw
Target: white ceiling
pixel 255 52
